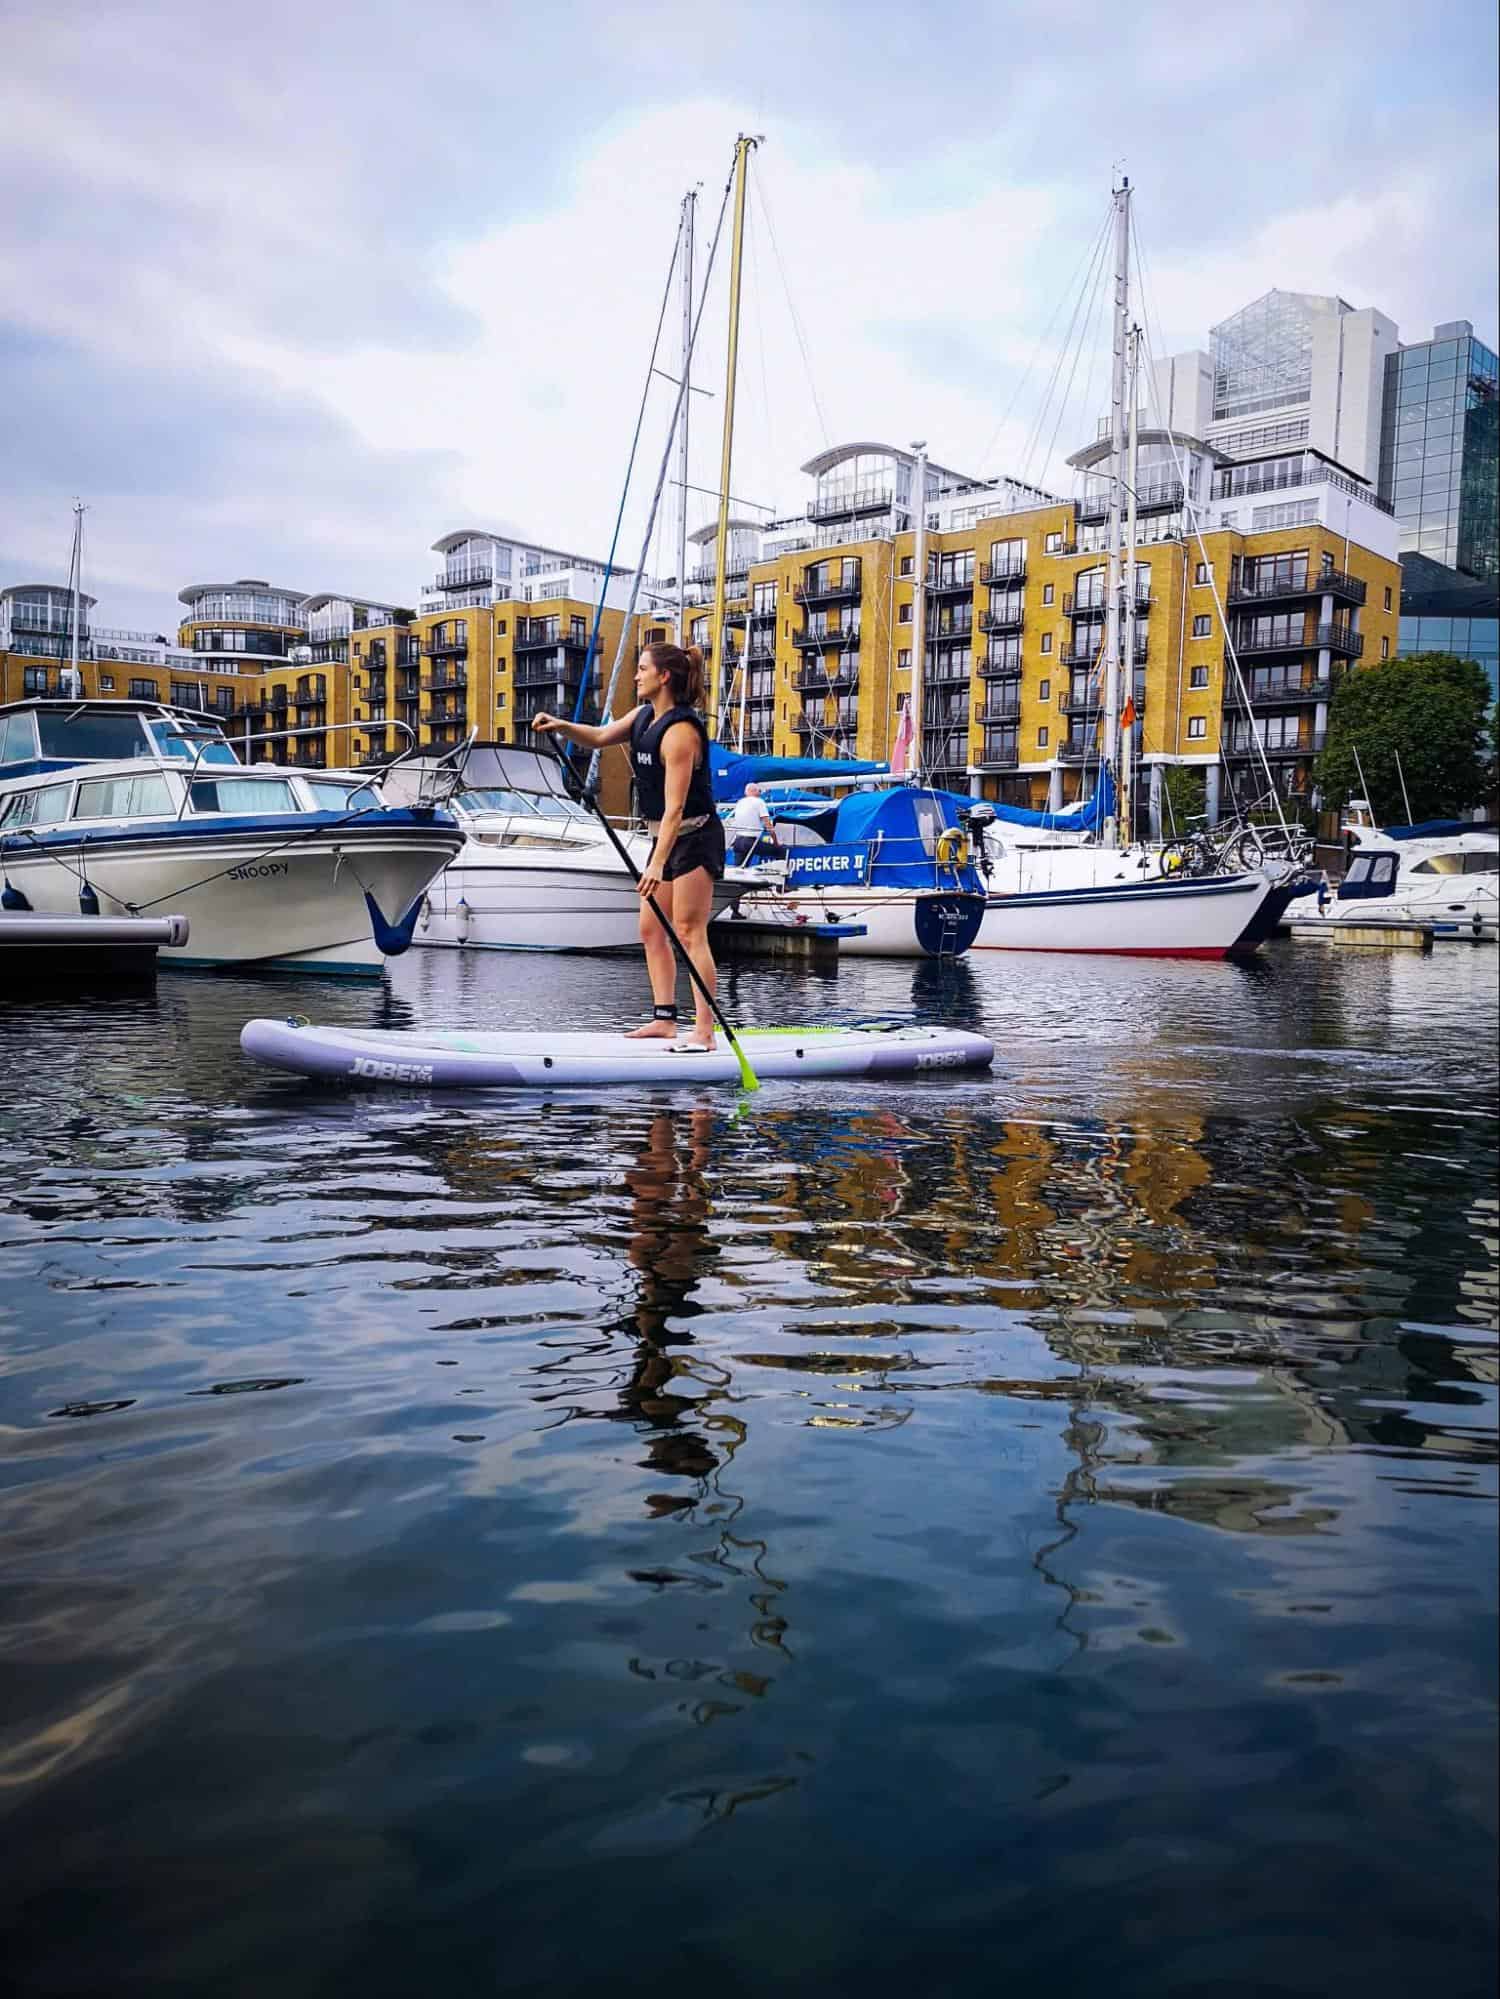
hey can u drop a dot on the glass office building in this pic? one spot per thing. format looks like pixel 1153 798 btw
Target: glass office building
pixel 1440 449
pixel 1443 611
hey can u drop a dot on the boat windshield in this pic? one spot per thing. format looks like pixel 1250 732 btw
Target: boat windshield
pixel 92 736
pixel 197 743
pixel 493 799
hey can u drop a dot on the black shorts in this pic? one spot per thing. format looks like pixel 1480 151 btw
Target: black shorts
pixel 702 848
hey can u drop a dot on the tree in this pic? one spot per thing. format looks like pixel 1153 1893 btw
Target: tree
pixel 1431 710
pixel 1184 796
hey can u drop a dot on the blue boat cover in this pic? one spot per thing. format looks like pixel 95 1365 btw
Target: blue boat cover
pixel 1431 829
pixel 731 772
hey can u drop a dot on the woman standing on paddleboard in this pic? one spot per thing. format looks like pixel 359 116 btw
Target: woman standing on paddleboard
pixel 669 756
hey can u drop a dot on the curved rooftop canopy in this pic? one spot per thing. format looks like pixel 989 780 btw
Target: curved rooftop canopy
pixel 343 597
pixel 837 454
pixel 196 590
pixel 1095 453
pixel 50 589
pixel 702 536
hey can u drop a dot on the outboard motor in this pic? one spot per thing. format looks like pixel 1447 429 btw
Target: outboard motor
pixel 975 820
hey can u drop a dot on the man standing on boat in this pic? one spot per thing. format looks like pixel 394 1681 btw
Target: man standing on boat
pixel 669 758
pixel 752 825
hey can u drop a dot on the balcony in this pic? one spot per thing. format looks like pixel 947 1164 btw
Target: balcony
pixel 763 617
pixel 841 677
pixel 951 673
pixel 1288 589
pixel 1002 621
pixel 999 752
pixel 1011 571
pixel 951 586
pixel 761 651
pixel 839 589
pixel 1148 500
pixel 959 633
pixel 464 577
pixel 1076 750
pixel 1340 639
pixel 544 673
pixel 1307 744
pixel 813 637
pixel 548 639
pixel 455 648
pixel 1091 606
pixel 849 505
pixel 1000 669
pixel 1090 655
pixel 452 676
pixel 1289 694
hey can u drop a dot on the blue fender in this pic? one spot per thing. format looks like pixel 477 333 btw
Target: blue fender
pixel 392 938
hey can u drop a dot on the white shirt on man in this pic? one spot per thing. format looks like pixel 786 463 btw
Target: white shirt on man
pixel 750 817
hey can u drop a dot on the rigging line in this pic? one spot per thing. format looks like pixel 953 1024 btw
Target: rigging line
pixel 1078 324
pixel 760 336
pixel 585 678
pixel 1064 294
pixel 1192 513
pixel 759 193
pixel 1092 330
pixel 607 704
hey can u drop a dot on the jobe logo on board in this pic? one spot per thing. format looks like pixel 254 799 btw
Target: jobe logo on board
pixel 392 1072
pixel 260 871
pixel 836 867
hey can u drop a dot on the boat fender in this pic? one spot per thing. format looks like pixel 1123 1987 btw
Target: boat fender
pixel 88 902
pixel 392 939
pixel 426 921
pixel 12 897
pixel 461 915
pixel 953 848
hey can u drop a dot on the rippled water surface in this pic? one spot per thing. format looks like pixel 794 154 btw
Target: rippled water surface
pixel 1030 1534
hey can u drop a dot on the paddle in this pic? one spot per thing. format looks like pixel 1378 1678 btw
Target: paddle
pixel 576 788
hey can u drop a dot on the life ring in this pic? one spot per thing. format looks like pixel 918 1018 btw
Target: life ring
pixel 953 848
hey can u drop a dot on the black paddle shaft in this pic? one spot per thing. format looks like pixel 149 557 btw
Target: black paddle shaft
pixel 577 788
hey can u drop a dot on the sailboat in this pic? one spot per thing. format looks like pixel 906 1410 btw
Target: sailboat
pixel 1110 896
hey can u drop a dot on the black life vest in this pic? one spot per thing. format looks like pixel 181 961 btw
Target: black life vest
pixel 646 734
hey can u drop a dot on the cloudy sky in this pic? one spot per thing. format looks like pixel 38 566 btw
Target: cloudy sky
pixel 291 290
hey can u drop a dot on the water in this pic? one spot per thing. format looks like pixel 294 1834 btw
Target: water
pixel 1030 1533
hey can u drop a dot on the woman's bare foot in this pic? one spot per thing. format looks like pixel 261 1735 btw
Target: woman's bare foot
pixel 654 1030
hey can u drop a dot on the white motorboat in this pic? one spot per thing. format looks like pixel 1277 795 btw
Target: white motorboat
pixel 537 872
pixel 1445 873
pixel 130 808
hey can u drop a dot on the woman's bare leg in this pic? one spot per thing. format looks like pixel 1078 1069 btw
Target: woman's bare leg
pixel 692 907
pixel 661 965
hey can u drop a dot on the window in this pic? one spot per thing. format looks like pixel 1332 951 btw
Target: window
pixel 1197 728
pixel 143 690
pixel 1286 514
pixel 1053 543
pixel 1203 627
pixel 1042 738
pixel 903 616
pixel 106 683
pixel 244 795
pixel 1385 648
pixel 500 628
pixel 1044 691
pixel 903 660
pixel 908 563
pixel 1388 597
pixel 1048 593
pixel 500 698
pixel 124 798
pixel 43 807
pixel 1046 641
pixel 1198 677
pixel 1202 573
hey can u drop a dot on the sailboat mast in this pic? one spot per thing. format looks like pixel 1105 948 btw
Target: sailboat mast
pixel 1112 527
pixel 918 604
pixel 1132 482
pixel 742 149
pixel 689 213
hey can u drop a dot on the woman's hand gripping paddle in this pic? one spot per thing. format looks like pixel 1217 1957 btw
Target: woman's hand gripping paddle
pixel 578 790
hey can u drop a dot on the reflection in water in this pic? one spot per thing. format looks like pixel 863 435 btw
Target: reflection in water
pixel 1044 1500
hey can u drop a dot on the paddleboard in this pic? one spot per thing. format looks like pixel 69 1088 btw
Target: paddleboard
pixel 443 1058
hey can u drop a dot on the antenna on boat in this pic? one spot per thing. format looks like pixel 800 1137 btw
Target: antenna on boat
pixel 1132 471
pixel 1405 800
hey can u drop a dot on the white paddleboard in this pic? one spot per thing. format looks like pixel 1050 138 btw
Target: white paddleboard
pixel 444 1058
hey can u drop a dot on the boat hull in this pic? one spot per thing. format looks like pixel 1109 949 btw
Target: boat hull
pixel 273 896
pixel 1223 916
pixel 898 923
